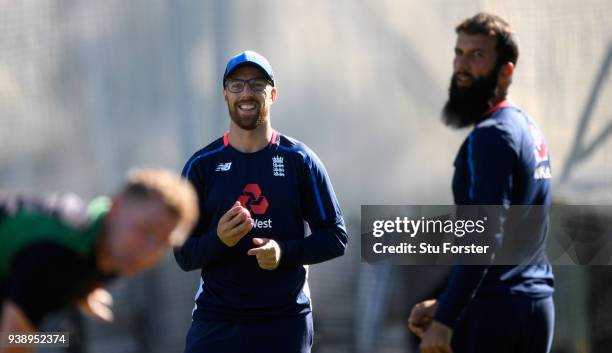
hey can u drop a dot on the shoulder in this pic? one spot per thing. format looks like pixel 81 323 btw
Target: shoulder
pixel 509 120
pixel 70 209
pixel 62 220
pixel 291 145
pixel 214 147
pixel 201 155
pixel 504 127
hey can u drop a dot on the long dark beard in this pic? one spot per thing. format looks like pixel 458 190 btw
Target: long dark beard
pixel 466 106
pixel 248 123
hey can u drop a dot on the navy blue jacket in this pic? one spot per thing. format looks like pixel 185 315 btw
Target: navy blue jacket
pixel 284 186
pixel 504 161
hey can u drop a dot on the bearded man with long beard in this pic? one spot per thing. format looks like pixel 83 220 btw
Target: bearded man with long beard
pixel 504 303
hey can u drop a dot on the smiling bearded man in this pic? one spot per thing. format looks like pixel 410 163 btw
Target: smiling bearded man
pixel 257 188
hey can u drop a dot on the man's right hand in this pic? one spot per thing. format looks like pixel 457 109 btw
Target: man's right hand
pixel 421 316
pixel 234 225
pixel 98 305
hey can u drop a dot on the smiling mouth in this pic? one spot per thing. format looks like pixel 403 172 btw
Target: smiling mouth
pixel 247 106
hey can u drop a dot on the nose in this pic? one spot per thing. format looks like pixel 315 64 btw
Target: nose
pixel 460 64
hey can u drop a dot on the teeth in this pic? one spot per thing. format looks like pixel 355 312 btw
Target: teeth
pixel 463 77
pixel 246 106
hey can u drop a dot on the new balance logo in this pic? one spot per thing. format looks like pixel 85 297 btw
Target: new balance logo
pixel 223 167
pixel 278 168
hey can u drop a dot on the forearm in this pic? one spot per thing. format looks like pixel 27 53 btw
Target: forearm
pixel 322 245
pixel 466 279
pixel 462 286
pixel 200 252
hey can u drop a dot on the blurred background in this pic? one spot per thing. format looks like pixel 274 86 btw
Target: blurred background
pixel 90 88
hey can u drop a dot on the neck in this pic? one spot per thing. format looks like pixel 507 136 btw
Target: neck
pixel 501 94
pixel 249 141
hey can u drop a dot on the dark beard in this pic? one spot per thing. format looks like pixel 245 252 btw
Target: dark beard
pixel 466 106
pixel 247 123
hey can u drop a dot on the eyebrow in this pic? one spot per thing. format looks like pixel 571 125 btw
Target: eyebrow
pixel 247 79
pixel 478 49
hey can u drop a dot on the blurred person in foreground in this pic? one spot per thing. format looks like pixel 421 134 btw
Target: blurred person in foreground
pixel 57 251
pixel 257 188
pixel 503 162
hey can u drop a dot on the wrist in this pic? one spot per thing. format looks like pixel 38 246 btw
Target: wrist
pixel 220 242
pixel 444 319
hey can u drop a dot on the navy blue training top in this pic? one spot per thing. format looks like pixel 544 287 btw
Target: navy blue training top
pixel 284 186
pixel 504 161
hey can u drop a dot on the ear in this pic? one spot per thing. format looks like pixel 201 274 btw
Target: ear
pixel 505 72
pixel 273 93
pixel 224 93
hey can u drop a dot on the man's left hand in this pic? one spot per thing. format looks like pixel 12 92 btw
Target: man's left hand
pixel 268 253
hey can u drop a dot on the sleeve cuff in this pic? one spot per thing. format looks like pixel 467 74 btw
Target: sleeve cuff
pixel 287 258
pixel 444 316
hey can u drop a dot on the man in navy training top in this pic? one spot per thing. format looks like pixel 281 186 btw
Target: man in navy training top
pixel 256 189
pixel 504 161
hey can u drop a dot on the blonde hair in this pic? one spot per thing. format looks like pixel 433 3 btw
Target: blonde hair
pixel 174 191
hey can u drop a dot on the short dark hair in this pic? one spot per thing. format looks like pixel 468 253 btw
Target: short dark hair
pixel 493 26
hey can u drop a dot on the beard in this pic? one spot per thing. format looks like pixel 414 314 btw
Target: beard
pixel 252 121
pixel 466 105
